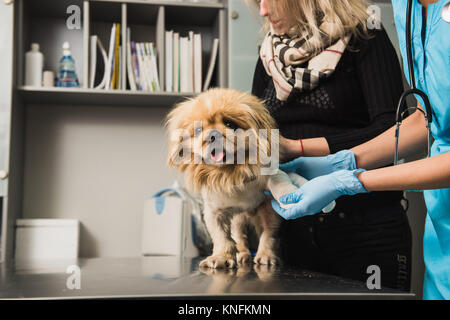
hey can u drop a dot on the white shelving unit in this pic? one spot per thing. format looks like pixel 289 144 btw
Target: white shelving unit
pixel 147 21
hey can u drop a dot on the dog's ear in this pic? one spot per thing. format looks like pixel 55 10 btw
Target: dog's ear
pixel 260 115
pixel 178 153
pixel 173 149
pixel 177 134
pixel 171 125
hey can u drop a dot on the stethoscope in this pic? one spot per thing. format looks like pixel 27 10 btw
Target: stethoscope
pixel 402 108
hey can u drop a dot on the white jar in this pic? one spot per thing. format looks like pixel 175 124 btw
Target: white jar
pixel 34 65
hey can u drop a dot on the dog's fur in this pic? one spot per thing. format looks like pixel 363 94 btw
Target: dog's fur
pixel 232 193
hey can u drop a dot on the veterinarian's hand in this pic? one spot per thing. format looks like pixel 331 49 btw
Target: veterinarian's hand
pixel 312 167
pixel 316 194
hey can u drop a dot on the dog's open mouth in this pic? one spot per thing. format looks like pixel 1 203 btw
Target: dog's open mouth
pixel 218 156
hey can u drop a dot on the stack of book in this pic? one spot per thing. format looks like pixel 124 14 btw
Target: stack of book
pixel 140 67
pixel 183 62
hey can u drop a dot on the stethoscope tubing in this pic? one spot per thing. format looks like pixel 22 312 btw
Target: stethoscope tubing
pixel 402 106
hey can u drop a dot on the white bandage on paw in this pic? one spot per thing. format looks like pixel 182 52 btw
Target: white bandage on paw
pixel 281 184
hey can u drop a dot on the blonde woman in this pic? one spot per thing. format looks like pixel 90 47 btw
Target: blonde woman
pixel 331 84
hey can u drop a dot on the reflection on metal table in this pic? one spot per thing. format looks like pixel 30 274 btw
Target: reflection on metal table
pixel 174 277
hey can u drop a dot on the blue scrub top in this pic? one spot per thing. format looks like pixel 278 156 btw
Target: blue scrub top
pixel 431 55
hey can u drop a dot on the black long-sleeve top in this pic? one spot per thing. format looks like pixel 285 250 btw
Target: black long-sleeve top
pixel 355 104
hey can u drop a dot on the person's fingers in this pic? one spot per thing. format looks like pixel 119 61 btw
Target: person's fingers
pixel 288 166
pixel 290 198
pixel 278 209
pixel 290 214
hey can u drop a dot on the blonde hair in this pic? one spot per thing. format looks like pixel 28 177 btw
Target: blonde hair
pixel 348 17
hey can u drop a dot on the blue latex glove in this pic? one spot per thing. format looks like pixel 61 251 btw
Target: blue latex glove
pixel 316 194
pixel 313 167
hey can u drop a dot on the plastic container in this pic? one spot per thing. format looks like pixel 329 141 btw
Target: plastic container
pixel 167 227
pixel 47 239
pixel 34 65
pixel 67 76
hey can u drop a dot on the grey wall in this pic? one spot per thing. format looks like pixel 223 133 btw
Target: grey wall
pixel 98 165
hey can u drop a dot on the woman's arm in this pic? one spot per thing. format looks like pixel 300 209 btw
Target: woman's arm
pixel 431 173
pixel 373 154
pixel 313 147
pixel 380 79
pixel 379 151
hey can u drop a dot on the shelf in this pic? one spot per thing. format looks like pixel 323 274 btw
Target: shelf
pixel 51 8
pixel 199 4
pixel 78 96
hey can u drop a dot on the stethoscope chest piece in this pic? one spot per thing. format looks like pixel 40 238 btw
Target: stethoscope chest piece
pixel 446 12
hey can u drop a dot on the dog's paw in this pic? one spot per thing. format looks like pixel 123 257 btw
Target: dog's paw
pixel 266 258
pixel 265 272
pixel 243 258
pixel 225 260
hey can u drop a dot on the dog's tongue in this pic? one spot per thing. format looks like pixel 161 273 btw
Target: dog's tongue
pixel 218 156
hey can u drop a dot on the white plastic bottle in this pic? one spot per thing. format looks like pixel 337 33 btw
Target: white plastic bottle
pixel 34 65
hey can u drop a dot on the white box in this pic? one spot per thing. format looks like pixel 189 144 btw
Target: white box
pixel 167 225
pixel 47 238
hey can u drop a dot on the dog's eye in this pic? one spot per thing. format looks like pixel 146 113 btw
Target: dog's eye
pixel 230 124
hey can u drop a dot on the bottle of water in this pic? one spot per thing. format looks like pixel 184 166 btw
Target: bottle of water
pixel 67 76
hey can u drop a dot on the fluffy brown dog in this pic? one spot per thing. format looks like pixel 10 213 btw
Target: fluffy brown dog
pixel 212 140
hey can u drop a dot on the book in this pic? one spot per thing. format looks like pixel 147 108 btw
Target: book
pixel 110 57
pixel 130 64
pixel 176 62
pixel 98 67
pixel 212 63
pixel 119 78
pixel 142 76
pixel 184 64
pixel 197 62
pixel 190 66
pixel 147 66
pixel 169 61
pixel 115 76
pixel 93 60
pixel 154 66
pixel 137 75
pixel 105 64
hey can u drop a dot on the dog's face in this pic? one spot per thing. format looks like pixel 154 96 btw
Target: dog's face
pixel 220 139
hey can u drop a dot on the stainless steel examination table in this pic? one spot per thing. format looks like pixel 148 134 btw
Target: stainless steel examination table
pixel 173 277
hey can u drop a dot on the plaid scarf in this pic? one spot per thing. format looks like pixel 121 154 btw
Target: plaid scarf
pixel 284 58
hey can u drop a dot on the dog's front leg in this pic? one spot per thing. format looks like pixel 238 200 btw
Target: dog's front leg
pixel 267 226
pixel 218 225
pixel 238 226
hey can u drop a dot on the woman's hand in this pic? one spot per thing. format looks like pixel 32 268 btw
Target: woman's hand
pixel 292 149
pixel 289 149
pixel 312 167
pixel 316 194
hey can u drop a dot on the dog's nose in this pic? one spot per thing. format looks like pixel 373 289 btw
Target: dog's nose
pixel 213 135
